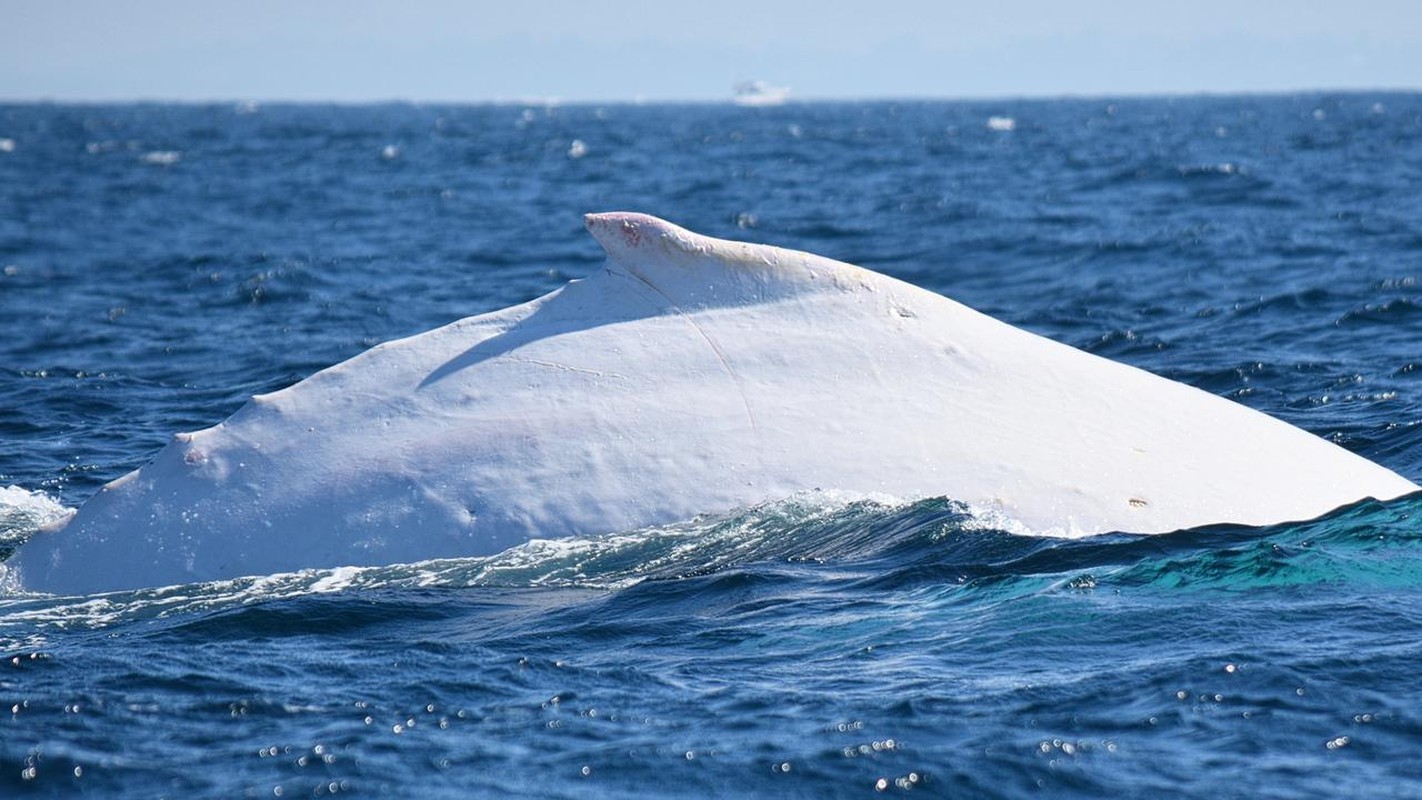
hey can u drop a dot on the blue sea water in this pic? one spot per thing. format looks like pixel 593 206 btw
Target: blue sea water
pixel 159 264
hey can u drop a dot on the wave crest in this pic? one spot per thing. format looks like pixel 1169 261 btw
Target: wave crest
pixel 934 546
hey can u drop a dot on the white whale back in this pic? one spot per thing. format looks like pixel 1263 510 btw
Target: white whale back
pixel 692 375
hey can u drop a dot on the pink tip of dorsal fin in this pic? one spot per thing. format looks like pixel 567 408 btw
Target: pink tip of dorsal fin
pixel 625 232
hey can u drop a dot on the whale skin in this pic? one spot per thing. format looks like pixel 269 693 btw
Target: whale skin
pixel 690 375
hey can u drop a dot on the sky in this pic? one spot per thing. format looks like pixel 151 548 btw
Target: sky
pixel 443 50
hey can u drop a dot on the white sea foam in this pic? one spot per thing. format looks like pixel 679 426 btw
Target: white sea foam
pixel 22 512
pixel 815 524
pixel 336 580
pixel 1001 124
pixel 162 158
pixel 7 145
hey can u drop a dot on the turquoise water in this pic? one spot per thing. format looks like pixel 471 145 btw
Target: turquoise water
pixel 159 264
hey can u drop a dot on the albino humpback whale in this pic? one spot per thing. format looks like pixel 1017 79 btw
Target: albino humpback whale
pixel 691 375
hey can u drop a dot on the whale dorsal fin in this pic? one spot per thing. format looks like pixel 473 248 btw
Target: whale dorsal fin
pixel 628 237
pixel 677 261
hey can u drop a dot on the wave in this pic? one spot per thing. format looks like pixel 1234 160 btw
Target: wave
pixel 22 512
pixel 861 546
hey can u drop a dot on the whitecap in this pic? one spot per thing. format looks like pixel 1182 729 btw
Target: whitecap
pixel 7 145
pixel 336 580
pixel 1002 124
pixel 23 512
pixel 577 149
pixel 162 158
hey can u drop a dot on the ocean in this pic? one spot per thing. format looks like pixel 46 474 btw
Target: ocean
pixel 159 264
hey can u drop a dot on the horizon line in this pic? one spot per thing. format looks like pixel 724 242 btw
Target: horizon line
pixel 554 100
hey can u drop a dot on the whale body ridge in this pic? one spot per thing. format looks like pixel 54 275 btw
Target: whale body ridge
pixel 690 375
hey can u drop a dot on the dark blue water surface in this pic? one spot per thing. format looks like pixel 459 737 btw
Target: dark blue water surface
pixel 159 264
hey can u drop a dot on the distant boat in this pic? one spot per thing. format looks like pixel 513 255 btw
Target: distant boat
pixel 759 93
